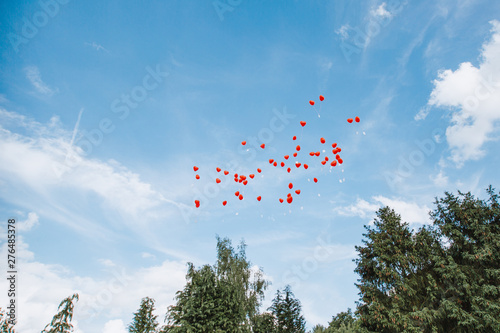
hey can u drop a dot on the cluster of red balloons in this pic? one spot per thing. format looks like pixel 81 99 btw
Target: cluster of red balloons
pixel 244 179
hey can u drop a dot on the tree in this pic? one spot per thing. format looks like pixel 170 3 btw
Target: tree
pixel 441 278
pixel 144 321
pixel 5 326
pixel 61 322
pixel 222 298
pixel 286 310
pixel 263 323
pixel 469 270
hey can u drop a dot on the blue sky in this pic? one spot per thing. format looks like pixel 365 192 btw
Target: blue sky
pixel 106 106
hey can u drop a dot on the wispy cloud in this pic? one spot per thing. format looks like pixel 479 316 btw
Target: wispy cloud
pixel 35 78
pixel 75 129
pixel 30 161
pixel 473 94
pixel 96 46
pixel 343 31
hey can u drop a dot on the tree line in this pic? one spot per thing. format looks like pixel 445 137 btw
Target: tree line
pixel 443 277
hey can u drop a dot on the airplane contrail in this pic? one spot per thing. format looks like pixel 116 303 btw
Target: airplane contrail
pixel 75 130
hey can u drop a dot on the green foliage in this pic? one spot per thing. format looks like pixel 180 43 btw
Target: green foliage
pixel 61 322
pixel 263 323
pixel 469 270
pixel 144 321
pixel 441 278
pixel 222 298
pixel 286 309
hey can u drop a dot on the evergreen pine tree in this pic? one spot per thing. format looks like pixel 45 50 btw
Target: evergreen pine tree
pixel 144 321
pixel 61 322
pixel 287 310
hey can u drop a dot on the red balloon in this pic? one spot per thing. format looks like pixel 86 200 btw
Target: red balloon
pixel 297 164
pixel 240 197
pixel 235 175
pixel 271 161
pixel 322 140
pixel 349 120
pixel 290 186
pixel 289 169
pixel 337 157
pixel 323 162
pixel 195 168
pixel 237 193
pixel 334 145
pixel 286 157
pixel 243 143
pixel 341 161
pixel 259 170
pixel 294 154
pixel 245 182
pixel 217 180
pixel 251 175
pixel 311 153
pixel 326 158
pixel 218 169
pixel 282 164
pixel 289 199
pixel 303 123
pixel 289 195
pixel 224 202
pixel 321 98
pixel 281 200
pixel 197 176
pixel 306 166
pixel 275 163
pixel 311 102
pixel 357 119
pixel 317 153
pixel 197 203
pixel 294 138
pixel 226 172
pixel 315 180
pixel 298 148
pixel 334 163
pixel 263 146
pixel 259 198
pixel 297 191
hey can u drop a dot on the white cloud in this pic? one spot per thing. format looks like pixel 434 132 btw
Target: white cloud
pixel 29 223
pixel 343 31
pixel 116 296
pixel 440 180
pixel 107 262
pixel 361 208
pixel 473 95
pixel 410 212
pixel 115 326
pixel 34 76
pixel 37 160
pixel 381 11
pixel 147 255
